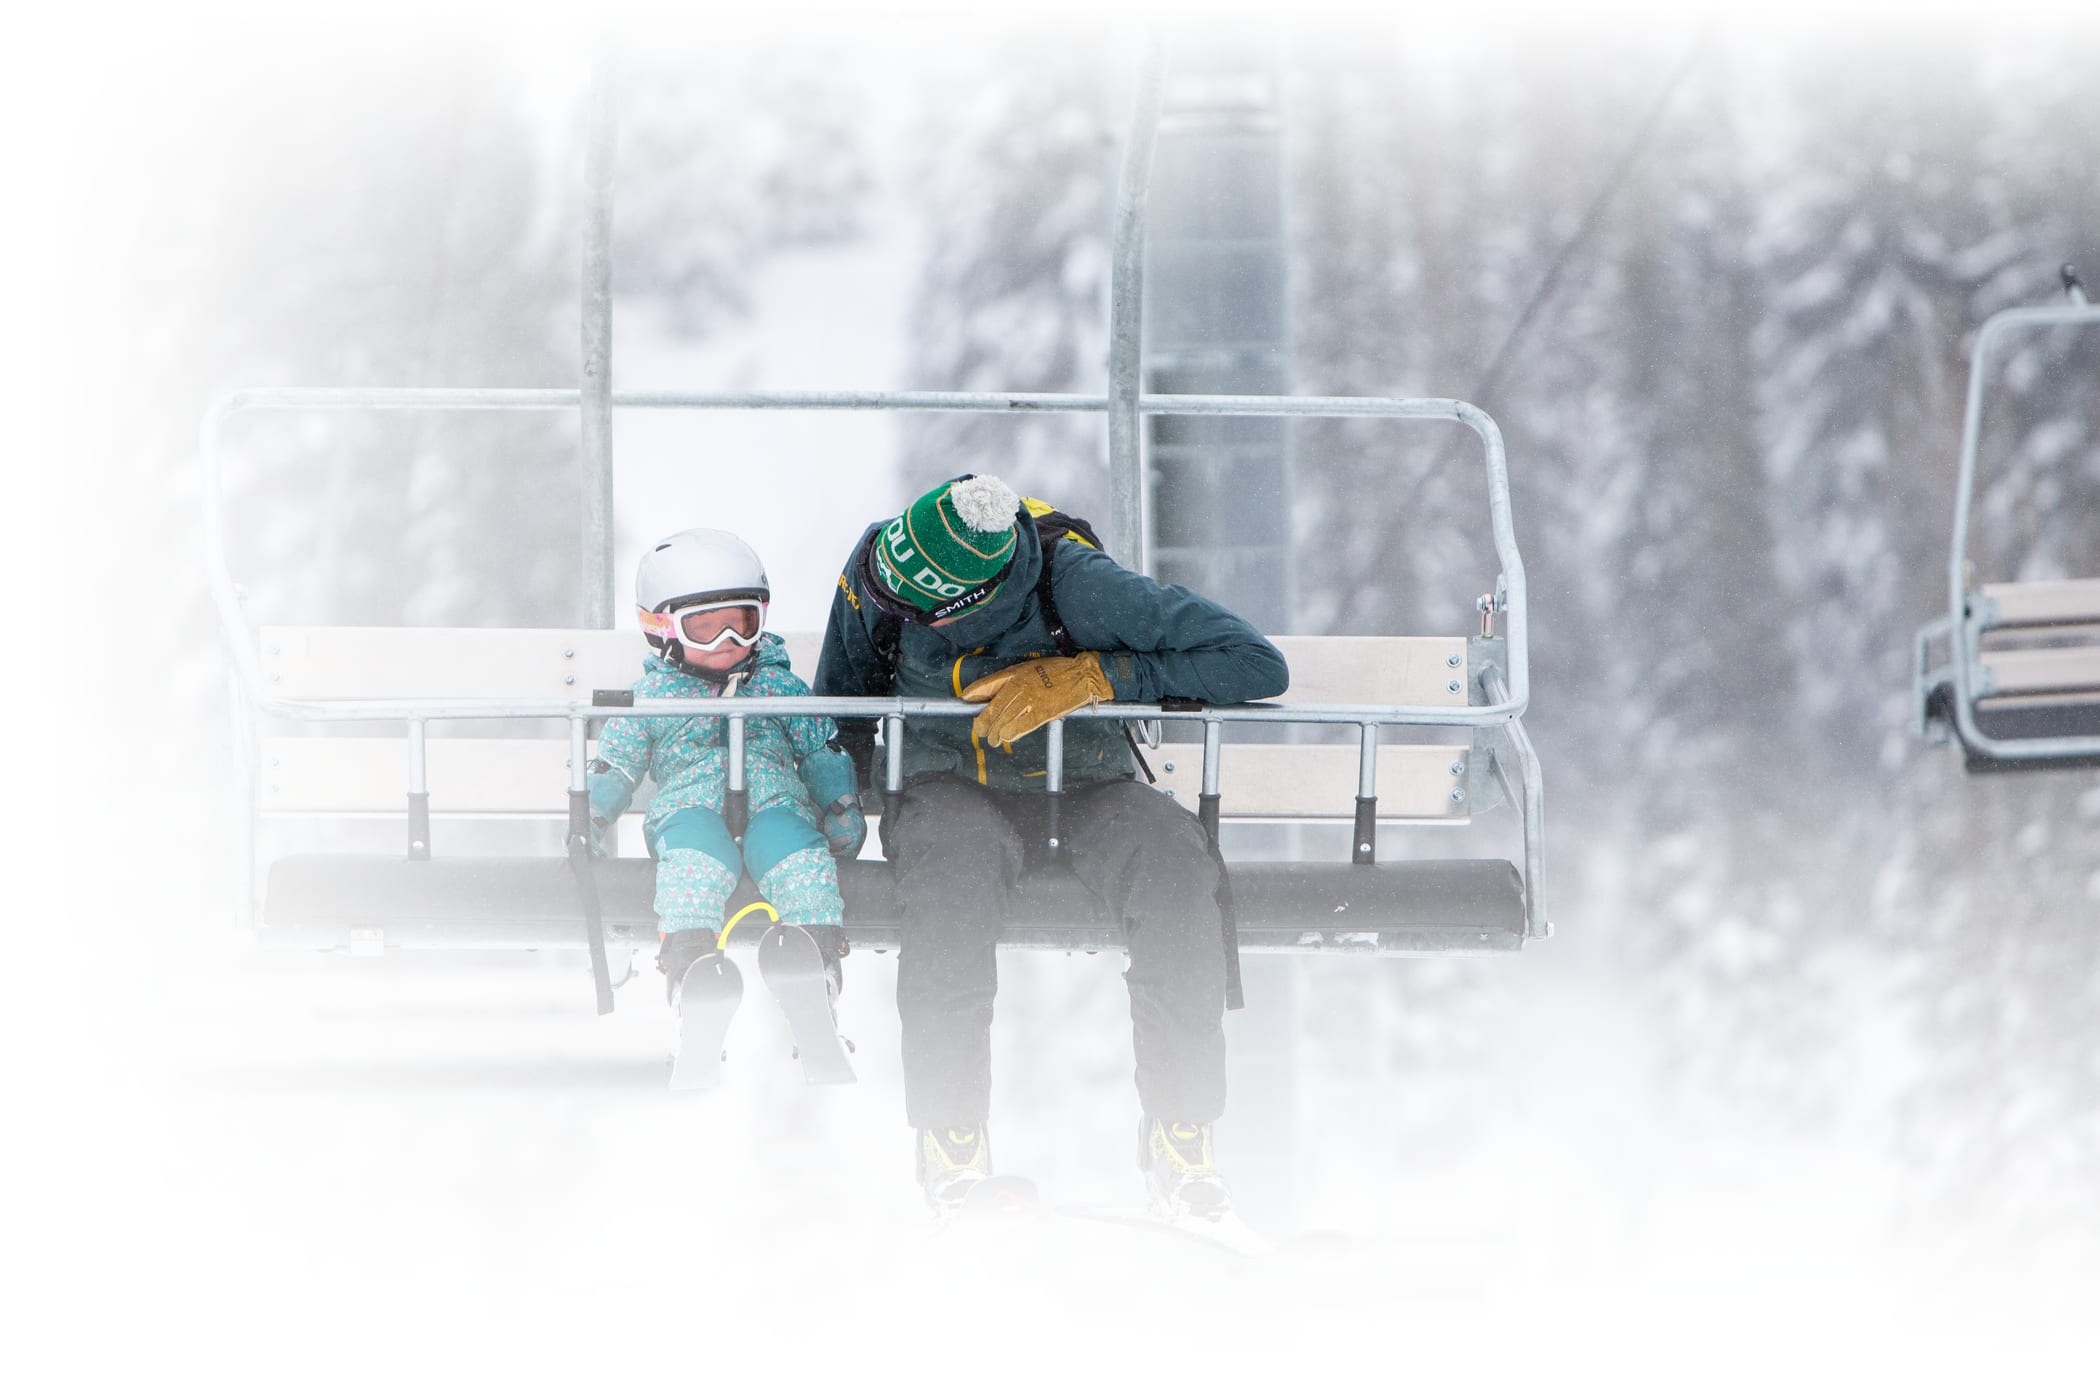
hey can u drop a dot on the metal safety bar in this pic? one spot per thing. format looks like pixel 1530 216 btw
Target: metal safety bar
pixel 1967 640
pixel 872 707
pixel 1523 790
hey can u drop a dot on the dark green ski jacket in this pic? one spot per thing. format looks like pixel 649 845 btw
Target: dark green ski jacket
pixel 1156 642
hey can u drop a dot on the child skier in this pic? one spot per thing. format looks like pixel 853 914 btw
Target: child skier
pixel 702 598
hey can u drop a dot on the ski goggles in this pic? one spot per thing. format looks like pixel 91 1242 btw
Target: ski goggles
pixel 896 607
pixel 708 626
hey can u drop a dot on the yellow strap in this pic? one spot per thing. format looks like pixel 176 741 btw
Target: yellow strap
pixel 976 744
pixel 771 913
pixel 1038 509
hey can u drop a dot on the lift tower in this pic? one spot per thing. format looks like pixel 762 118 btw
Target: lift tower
pixel 1216 322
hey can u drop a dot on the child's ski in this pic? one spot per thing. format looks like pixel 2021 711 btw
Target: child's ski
pixel 707 999
pixel 793 969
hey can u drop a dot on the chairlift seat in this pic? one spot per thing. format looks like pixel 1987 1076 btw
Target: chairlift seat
pixel 2034 668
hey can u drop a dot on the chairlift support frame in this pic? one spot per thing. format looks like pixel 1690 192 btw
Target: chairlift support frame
pixel 1498 693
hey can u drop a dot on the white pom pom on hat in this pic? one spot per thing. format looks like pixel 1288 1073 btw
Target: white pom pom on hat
pixel 985 503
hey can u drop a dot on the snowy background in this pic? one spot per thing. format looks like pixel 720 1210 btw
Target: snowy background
pixel 1807 1091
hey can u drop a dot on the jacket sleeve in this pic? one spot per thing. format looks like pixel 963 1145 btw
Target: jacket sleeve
pixel 1159 641
pixel 806 734
pixel 623 759
pixel 848 664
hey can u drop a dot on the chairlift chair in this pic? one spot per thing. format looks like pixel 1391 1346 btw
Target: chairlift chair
pixel 400 681
pixel 2012 671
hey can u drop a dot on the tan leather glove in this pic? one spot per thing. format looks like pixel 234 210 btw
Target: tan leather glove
pixel 1022 699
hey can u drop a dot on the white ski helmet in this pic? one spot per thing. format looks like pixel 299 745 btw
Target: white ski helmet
pixel 693 568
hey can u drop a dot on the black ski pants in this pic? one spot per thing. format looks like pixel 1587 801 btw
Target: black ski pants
pixel 958 848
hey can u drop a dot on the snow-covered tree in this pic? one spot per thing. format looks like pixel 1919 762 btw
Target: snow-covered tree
pixel 1013 185
pixel 730 154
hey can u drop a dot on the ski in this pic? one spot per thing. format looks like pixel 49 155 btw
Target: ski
pixel 1228 1232
pixel 708 995
pixel 999 1196
pixel 793 969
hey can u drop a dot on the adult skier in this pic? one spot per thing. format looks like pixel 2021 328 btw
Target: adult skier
pixel 961 596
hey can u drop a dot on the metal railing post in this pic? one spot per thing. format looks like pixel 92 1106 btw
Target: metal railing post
pixel 1054 786
pixel 595 444
pixel 1209 800
pixel 1363 848
pixel 1128 537
pixel 736 803
pixel 418 791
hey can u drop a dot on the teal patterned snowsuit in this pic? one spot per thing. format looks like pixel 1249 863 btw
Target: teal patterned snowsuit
pixel 697 860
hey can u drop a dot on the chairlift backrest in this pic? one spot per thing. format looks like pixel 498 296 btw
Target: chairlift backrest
pixel 469 663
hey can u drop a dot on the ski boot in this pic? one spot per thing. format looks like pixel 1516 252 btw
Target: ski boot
pixel 677 952
pixel 831 943
pixel 951 1162
pixel 1181 1177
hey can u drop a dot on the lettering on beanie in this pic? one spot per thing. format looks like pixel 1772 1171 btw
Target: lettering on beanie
pixel 950 546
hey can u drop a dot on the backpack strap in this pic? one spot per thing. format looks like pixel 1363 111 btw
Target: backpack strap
pixel 1046 600
pixel 887 635
pixel 1052 525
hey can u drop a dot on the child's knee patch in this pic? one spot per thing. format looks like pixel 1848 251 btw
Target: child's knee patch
pixel 696 829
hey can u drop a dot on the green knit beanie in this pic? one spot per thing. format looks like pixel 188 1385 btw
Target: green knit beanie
pixel 943 554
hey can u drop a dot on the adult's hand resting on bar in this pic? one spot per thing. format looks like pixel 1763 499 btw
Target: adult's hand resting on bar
pixel 1022 699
